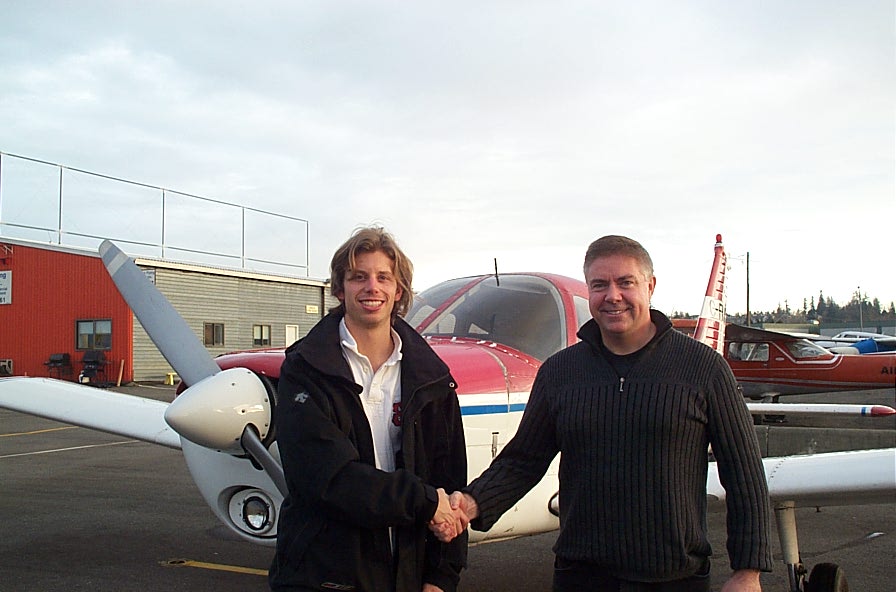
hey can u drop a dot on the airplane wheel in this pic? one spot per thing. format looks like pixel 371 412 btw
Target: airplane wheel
pixel 827 577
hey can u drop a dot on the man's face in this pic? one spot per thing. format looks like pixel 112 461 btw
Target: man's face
pixel 619 295
pixel 370 291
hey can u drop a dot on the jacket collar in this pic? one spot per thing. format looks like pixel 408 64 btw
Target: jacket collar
pixel 321 349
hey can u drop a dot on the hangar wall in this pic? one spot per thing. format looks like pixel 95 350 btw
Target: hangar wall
pixel 237 300
pixel 52 287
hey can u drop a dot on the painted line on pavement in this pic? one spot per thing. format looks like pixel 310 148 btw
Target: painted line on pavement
pixel 38 431
pixel 67 449
pixel 215 566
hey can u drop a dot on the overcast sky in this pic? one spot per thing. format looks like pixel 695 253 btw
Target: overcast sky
pixel 479 130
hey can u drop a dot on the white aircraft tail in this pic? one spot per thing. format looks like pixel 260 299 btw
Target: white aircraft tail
pixel 711 324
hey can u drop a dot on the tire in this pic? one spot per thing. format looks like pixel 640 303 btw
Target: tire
pixel 827 577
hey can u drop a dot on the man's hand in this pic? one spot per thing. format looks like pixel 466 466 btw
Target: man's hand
pixel 743 580
pixel 431 588
pixel 447 522
pixel 461 505
pixel 466 504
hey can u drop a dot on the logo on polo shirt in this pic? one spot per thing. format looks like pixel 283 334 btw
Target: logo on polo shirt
pixel 396 414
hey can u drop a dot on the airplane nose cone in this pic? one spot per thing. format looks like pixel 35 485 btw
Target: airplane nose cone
pixel 215 411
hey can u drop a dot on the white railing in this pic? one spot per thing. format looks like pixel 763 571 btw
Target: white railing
pixel 51 202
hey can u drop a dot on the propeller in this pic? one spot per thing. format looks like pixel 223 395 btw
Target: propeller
pixel 225 410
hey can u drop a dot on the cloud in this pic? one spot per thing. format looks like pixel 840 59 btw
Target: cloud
pixel 519 130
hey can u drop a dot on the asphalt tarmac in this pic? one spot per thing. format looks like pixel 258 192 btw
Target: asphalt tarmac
pixel 86 511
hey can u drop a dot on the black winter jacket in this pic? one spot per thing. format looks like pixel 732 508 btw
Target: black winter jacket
pixel 334 524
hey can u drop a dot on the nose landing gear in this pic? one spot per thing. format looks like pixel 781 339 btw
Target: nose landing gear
pixel 827 577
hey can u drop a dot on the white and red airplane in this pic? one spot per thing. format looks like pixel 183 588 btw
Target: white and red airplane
pixel 768 364
pixel 493 332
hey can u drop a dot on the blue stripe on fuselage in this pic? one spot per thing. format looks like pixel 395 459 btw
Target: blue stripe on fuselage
pixel 490 409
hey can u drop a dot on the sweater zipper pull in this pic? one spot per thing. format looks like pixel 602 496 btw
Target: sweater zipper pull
pixel 621 383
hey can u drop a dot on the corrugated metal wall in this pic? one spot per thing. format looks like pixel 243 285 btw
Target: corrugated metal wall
pixel 51 289
pixel 55 286
pixel 236 302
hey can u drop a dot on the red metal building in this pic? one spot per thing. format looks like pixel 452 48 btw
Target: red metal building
pixel 57 300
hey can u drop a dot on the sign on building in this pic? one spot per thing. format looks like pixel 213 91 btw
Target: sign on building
pixel 6 287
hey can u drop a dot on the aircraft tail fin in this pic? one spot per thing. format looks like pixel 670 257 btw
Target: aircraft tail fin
pixel 711 324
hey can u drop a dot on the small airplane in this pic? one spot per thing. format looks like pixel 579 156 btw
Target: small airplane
pixel 853 342
pixel 768 363
pixel 493 332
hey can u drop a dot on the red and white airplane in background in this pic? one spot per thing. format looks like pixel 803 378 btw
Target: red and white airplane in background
pixel 769 363
pixel 493 332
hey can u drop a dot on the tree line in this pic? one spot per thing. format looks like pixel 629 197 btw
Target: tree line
pixel 860 310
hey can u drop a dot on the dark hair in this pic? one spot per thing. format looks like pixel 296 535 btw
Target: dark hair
pixel 370 240
pixel 610 245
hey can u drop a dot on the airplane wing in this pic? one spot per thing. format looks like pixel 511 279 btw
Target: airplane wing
pixel 89 407
pixel 829 479
pixel 820 409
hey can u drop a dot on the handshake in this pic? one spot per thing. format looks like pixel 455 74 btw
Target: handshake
pixel 453 515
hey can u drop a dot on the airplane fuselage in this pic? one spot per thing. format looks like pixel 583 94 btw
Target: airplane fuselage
pixel 767 363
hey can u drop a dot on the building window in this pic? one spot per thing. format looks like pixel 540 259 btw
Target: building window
pixel 261 335
pixel 213 333
pixel 94 334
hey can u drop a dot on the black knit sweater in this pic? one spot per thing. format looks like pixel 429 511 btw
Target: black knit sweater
pixel 634 457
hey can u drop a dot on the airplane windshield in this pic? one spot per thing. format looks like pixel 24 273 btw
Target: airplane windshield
pixel 805 349
pixel 583 312
pixel 427 301
pixel 523 312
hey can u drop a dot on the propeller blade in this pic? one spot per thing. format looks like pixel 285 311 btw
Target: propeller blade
pixel 89 407
pixel 254 447
pixel 162 323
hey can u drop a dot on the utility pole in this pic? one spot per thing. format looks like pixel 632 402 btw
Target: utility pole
pixel 859 294
pixel 748 288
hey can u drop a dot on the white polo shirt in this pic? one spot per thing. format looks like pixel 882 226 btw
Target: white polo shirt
pixel 381 396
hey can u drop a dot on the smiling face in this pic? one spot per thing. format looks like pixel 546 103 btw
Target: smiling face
pixel 619 292
pixel 369 293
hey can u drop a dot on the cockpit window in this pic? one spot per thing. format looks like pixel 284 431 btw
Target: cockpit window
pixel 748 351
pixel 523 312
